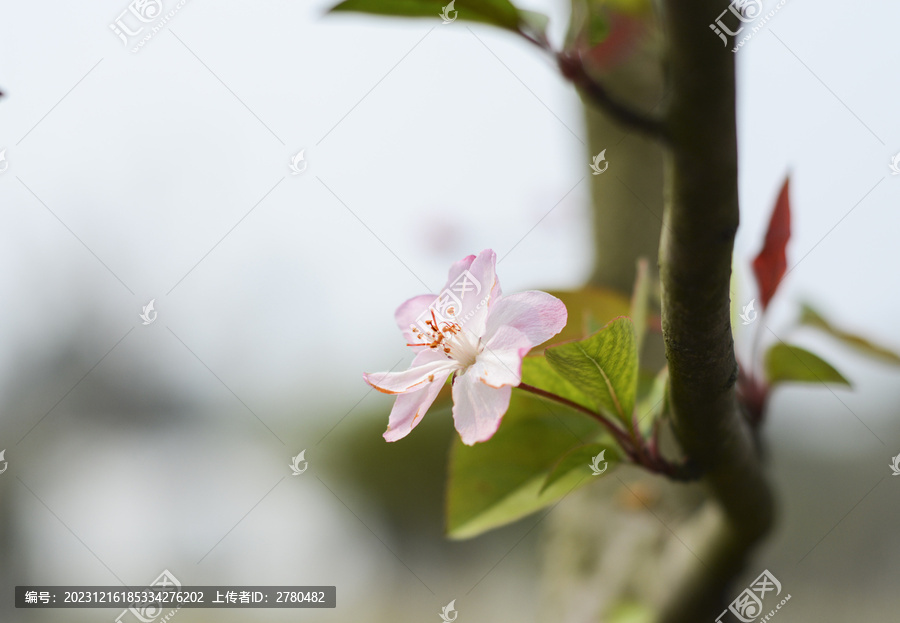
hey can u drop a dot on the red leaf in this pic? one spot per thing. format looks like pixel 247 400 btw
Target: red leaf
pixel 771 263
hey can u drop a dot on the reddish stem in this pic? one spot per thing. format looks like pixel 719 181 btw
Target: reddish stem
pixel 635 446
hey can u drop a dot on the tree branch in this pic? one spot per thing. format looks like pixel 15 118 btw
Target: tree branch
pixel 634 446
pixel 701 219
pixel 571 65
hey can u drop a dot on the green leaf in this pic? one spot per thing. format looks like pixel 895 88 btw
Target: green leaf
pixel 633 7
pixel 586 307
pixel 597 28
pixel 592 325
pixel 652 401
pixel 630 612
pixel 577 20
pixel 500 13
pixel 593 21
pixel 495 483
pixel 537 371
pixel 810 317
pixel 788 363
pixel 640 300
pixel 604 367
pixel 589 24
pixel 534 22
pixel 581 458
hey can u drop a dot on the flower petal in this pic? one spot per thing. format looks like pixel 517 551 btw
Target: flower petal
pixel 478 408
pixel 538 315
pixel 425 368
pixel 409 408
pixel 458 267
pixel 500 363
pixel 472 287
pixel 409 313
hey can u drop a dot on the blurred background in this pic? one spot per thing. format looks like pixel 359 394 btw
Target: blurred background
pixel 164 174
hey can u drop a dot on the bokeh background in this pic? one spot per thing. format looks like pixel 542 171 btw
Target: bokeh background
pixel 164 174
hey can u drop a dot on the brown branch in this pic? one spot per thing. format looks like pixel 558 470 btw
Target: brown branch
pixel 701 218
pixel 571 65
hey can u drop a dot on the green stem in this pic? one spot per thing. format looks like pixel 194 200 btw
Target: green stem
pixel 696 246
pixel 700 222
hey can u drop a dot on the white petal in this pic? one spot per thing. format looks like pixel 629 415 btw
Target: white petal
pixel 500 363
pixel 425 368
pixel 471 290
pixel 478 408
pixel 538 315
pixel 458 267
pixel 409 408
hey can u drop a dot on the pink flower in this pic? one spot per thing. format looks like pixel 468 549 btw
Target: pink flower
pixel 472 332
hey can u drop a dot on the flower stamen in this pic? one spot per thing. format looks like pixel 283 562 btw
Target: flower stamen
pixel 445 335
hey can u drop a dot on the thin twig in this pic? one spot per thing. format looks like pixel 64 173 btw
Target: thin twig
pixel 636 449
pixel 617 432
pixel 571 65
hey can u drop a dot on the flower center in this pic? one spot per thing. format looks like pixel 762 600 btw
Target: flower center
pixel 450 338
